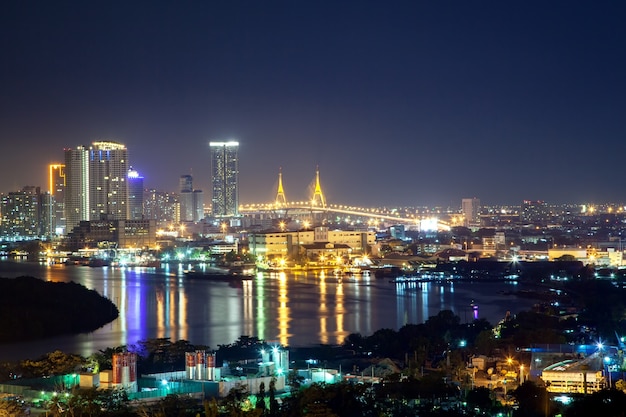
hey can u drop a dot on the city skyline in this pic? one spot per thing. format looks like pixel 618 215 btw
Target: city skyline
pixel 405 104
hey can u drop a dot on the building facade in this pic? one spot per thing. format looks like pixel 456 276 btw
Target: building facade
pixel 108 188
pixel 471 210
pixel 535 212
pixel 135 195
pixel 225 178
pixel 56 187
pixel 22 214
pixel 293 243
pixel 191 200
pixel 76 199
pixel 161 206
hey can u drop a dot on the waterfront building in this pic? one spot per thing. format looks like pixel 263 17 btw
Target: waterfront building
pixel 225 178
pixel 76 197
pixel 135 195
pixel 108 188
pixel 114 233
pixel 293 243
pixel 471 210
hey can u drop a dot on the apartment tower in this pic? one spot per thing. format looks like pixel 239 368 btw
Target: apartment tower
pixel 76 186
pixel 108 186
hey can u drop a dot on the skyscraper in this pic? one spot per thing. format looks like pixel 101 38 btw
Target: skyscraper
pixel 56 187
pixel 135 195
pixel 185 197
pixel 76 186
pixel 225 178
pixel 108 188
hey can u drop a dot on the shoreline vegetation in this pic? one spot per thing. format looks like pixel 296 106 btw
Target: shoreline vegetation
pixel 32 309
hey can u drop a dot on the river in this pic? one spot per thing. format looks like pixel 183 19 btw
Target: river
pixel 294 309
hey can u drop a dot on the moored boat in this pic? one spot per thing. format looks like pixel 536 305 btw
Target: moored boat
pixel 221 274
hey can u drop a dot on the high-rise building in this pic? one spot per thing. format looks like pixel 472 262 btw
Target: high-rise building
pixel 191 201
pixel 135 195
pixel 198 205
pixel 471 210
pixel 21 214
pixel 185 198
pixel 76 199
pixel 185 183
pixel 161 206
pixel 56 187
pixel 108 188
pixel 225 178
pixel 96 183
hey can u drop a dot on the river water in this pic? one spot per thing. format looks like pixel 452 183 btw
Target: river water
pixel 294 309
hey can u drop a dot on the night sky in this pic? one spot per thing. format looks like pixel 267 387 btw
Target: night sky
pixel 398 103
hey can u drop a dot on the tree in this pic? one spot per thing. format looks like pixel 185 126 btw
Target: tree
pixel 294 380
pixel 480 397
pixel 235 399
pixel 605 403
pixel 273 411
pixel 533 401
pixel 210 408
pixel 10 408
pixel 260 398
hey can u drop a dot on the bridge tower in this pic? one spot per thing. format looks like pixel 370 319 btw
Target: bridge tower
pixel 281 200
pixel 318 197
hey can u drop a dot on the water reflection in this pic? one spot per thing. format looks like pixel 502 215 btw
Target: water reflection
pixel 293 309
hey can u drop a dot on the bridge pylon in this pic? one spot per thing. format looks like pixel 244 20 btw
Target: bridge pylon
pixel 318 199
pixel 281 200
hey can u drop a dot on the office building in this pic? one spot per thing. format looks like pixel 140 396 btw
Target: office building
pixel 108 188
pixel 225 178
pixel 135 195
pixel 76 195
pixel 471 210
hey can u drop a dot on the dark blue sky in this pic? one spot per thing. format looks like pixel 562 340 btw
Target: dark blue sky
pixel 399 103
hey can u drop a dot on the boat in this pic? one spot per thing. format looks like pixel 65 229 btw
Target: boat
pixel 221 274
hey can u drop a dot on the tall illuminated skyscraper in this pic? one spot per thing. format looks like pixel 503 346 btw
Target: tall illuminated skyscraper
pixel 95 183
pixel 108 188
pixel 56 187
pixel 76 186
pixel 225 178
